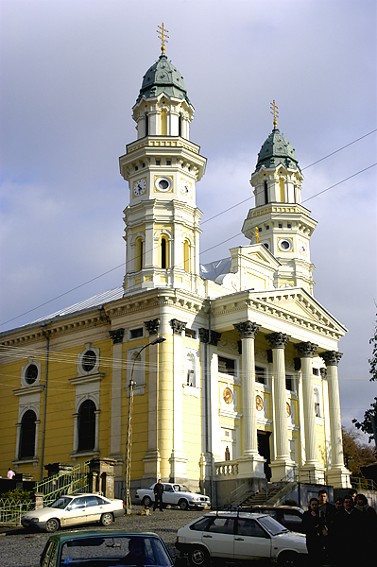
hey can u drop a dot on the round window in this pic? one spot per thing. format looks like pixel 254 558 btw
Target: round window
pixel 285 244
pixel 31 374
pixel 163 184
pixel 89 360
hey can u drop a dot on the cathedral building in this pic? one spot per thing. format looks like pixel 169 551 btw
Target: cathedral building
pixel 217 374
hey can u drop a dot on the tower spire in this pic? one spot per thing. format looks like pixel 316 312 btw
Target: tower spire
pixel 161 31
pixel 275 113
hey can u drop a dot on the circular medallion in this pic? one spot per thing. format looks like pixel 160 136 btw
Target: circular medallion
pixel 228 395
pixel 259 403
pixel 288 408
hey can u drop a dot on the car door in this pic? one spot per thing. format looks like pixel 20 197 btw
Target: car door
pixel 169 496
pixel 95 507
pixel 75 513
pixel 251 541
pixel 218 537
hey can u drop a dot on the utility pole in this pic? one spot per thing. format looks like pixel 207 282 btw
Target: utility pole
pixel 129 422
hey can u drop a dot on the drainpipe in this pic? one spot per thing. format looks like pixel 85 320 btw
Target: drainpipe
pixel 46 334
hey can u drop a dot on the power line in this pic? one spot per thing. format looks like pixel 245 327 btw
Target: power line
pixel 83 284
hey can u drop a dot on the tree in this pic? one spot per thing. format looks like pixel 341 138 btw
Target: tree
pixel 356 454
pixel 369 424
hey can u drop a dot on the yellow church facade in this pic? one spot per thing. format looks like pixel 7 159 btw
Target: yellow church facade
pixel 202 374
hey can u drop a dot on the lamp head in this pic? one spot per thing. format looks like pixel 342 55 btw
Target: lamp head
pixel 158 340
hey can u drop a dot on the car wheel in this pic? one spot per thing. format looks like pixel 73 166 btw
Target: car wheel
pixel 106 519
pixel 289 559
pixel 52 525
pixel 147 502
pixel 183 504
pixel 198 557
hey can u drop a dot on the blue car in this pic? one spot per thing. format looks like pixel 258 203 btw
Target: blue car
pixel 106 548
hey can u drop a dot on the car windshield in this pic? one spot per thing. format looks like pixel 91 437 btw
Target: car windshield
pixel 120 549
pixel 272 526
pixel 181 488
pixel 61 502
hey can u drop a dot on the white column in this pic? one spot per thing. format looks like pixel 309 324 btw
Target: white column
pixel 306 352
pixel 116 395
pixel 247 331
pixel 278 342
pixel 338 475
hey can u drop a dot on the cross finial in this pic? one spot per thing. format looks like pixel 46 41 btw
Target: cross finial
pixel 274 112
pixel 163 36
pixel 257 239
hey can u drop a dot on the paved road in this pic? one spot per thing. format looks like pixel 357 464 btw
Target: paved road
pixel 21 548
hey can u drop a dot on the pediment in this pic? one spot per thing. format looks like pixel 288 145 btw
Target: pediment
pixel 253 254
pixel 298 306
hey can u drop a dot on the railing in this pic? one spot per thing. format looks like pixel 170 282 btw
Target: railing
pixel 67 482
pixel 11 511
pixel 363 483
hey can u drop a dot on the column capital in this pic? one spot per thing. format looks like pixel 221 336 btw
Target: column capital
pixel 278 340
pixel 152 326
pixel 210 337
pixel 247 329
pixel 306 350
pixel 117 336
pixel 331 357
pixel 177 326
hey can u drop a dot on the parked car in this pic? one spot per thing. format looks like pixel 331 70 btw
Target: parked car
pixel 289 516
pixel 174 495
pixel 242 537
pixel 110 548
pixel 73 510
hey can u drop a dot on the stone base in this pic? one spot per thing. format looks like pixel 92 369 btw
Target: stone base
pixel 251 466
pixel 284 470
pixel 339 477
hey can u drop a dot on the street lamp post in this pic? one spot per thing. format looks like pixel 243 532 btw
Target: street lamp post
pixel 129 422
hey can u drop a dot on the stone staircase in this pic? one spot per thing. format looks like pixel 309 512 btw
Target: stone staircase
pixel 272 494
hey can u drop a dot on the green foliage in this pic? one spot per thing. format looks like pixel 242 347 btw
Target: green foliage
pixel 356 454
pixel 369 423
pixel 18 495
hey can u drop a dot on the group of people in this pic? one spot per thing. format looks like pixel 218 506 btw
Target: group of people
pixel 345 532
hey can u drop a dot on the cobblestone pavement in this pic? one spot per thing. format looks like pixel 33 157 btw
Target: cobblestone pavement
pixel 22 548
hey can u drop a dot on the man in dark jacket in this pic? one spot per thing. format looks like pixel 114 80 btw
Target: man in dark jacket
pixel 158 491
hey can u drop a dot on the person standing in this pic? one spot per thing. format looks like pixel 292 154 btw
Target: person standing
pixel 369 529
pixel 312 528
pixel 326 515
pixel 158 491
pixel 10 474
pixel 347 534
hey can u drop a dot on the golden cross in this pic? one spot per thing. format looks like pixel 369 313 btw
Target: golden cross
pixel 256 235
pixel 274 112
pixel 163 36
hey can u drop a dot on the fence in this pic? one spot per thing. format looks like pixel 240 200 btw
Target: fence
pixel 12 509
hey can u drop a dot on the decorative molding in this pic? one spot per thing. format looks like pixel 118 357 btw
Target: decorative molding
pixel 306 350
pixel 278 340
pixel 152 326
pixel 331 357
pixel 177 326
pixel 247 329
pixel 117 336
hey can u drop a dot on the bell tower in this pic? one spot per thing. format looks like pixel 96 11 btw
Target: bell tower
pixel 162 167
pixel 278 220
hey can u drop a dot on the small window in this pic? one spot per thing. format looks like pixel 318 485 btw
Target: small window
pixel 89 360
pixel 315 371
pixel 136 333
pixel 168 162
pixel 27 435
pixel 260 375
pixel 158 162
pixel 227 365
pixel 31 374
pixel 190 333
pixel 290 382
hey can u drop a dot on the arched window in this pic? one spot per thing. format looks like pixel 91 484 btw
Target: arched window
pixel 265 187
pixel 317 403
pixel 180 125
pixel 86 426
pixel 187 255
pixel 139 253
pixel 27 435
pixel 146 124
pixel 164 122
pixel 190 370
pixel 164 252
pixel 282 192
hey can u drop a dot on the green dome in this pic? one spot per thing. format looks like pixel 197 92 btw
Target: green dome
pixel 163 77
pixel 275 151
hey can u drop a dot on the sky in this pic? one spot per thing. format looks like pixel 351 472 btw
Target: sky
pixel 70 73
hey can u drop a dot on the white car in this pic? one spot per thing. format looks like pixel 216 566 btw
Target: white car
pixel 74 510
pixel 174 495
pixel 240 536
